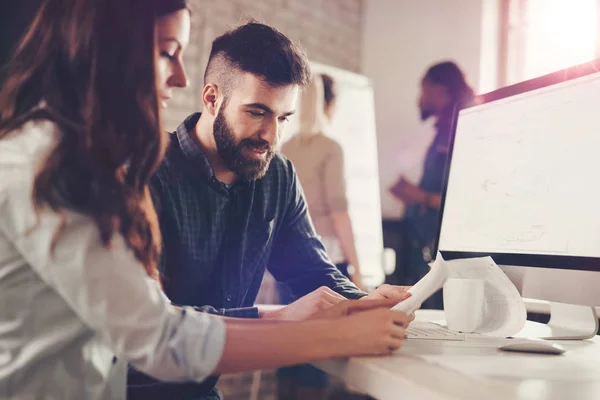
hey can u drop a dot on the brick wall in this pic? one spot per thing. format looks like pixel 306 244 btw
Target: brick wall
pixel 328 30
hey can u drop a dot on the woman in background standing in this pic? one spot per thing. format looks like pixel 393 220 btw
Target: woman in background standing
pixel 319 163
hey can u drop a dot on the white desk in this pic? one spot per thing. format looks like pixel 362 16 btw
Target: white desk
pixel 405 376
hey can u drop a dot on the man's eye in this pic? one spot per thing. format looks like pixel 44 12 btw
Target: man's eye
pixel 166 55
pixel 256 114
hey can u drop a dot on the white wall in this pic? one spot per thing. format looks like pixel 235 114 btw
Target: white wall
pixel 401 38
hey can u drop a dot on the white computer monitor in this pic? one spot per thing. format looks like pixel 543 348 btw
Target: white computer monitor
pixel 524 187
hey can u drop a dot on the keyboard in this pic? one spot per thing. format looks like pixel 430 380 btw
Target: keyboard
pixel 431 331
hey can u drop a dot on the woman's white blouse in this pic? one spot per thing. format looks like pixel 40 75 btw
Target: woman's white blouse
pixel 72 317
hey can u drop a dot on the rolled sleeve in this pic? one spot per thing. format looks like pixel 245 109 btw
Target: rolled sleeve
pixel 109 291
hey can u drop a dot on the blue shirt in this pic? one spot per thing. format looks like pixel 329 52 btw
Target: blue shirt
pixel 424 220
pixel 218 239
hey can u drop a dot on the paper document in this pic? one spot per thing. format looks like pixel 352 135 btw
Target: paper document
pixel 423 289
pixel 504 312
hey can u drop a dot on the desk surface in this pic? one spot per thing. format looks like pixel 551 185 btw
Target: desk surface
pixel 574 375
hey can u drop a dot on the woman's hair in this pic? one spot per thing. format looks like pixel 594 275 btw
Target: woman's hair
pixel 165 7
pixel 312 116
pixel 328 89
pixel 88 66
pixel 449 74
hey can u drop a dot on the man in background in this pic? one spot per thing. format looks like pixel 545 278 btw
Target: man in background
pixel 443 88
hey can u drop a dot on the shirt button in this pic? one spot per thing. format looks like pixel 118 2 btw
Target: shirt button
pixel 229 297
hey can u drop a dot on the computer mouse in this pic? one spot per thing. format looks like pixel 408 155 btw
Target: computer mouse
pixel 532 346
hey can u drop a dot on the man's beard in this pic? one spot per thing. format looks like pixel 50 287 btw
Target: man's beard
pixel 246 167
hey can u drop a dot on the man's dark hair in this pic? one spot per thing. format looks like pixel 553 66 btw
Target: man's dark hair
pixel 450 75
pixel 328 89
pixel 260 50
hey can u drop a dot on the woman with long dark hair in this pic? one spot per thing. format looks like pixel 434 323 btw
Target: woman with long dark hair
pixel 79 291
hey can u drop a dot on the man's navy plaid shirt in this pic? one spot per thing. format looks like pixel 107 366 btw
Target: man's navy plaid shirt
pixel 218 240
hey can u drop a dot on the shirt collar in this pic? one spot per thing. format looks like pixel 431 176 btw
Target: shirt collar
pixel 190 149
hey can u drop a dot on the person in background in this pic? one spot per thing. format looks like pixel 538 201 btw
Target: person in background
pixel 319 163
pixel 80 136
pixel 443 88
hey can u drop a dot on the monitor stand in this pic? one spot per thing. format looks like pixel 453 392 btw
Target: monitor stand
pixel 570 322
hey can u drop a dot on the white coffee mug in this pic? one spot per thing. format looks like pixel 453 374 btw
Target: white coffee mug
pixel 464 304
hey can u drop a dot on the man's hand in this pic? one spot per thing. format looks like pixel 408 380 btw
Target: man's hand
pixel 385 291
pixel 397 293
pixel 306 307
pixel 407 192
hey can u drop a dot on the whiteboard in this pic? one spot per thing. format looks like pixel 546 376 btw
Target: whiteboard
pixel 353 127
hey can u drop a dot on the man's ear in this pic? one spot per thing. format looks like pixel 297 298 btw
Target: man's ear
pixel 210 99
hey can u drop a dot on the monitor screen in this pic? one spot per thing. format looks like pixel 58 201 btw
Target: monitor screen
pixel 524 177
